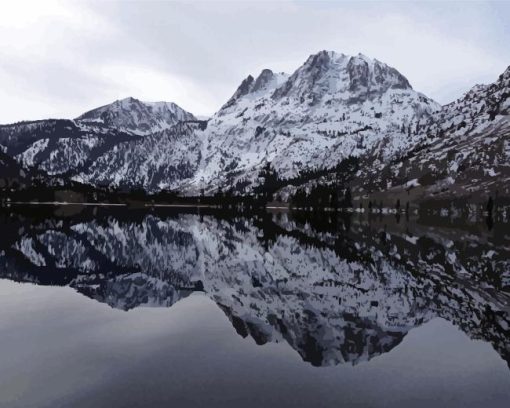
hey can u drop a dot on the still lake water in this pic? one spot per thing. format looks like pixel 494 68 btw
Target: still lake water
pixel 131 308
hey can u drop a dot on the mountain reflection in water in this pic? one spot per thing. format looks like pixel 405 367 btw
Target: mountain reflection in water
pixel 337 289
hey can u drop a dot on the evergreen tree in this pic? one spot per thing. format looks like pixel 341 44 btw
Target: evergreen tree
pixel 348 198
pixel 490 205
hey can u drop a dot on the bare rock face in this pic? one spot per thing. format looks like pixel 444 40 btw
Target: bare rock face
pixel 265 77
pixel 243 89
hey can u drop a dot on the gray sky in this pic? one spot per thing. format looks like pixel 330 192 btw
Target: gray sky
pixel 59 59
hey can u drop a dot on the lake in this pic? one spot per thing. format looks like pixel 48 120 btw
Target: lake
pixel 112 307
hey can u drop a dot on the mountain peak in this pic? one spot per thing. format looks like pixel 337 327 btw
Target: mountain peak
pixel 137 117
pixel 129 99
pixel 242 90
pixel 367 74
pixel 322 59
pixel 329 72
pixel 325 72
pixel 327 54
pixel 265 82
pixel 265 76
pixel 126 103
pixel 364 57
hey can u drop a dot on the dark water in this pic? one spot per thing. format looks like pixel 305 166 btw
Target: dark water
pixel 125 308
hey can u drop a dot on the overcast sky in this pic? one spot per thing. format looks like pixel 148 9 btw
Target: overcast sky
pixel 59 59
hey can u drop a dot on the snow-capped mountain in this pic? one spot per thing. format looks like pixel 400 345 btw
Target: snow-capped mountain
pixel 70 147
pixel 463 152
pixel 334 298
pixel 137 117
pixel 331 107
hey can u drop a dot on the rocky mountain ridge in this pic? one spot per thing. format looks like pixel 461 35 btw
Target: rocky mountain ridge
pixel 332 107
pixel 61 147
pixel 463 152
pixel 137 117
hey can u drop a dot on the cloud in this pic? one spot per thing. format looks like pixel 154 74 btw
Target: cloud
pixel 149 84
pixel 63 58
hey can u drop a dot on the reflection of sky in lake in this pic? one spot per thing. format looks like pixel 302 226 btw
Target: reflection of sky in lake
pixel 61 349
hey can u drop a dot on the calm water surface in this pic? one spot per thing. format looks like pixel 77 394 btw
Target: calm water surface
pixel 125 308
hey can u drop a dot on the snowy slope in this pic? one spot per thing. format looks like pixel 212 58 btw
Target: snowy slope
pixel 58 147
pixel 155 162
pixel 463 152
pixel 137 117
pixel 332 106
pixel 66 147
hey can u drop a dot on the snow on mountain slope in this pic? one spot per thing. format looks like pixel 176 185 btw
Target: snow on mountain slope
pixel 65 147
pixel 155 162
pixel 333 106
pixel 464 151
pixel 65 156
pixel 14 176
pixel 137 117
pixel 58 147
pixel 18 137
